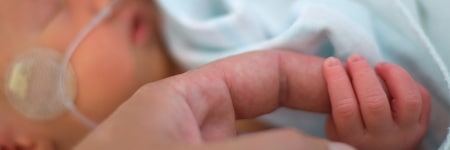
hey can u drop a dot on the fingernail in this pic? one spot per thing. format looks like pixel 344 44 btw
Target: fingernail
pixel 339 146
pixel 356 58
pixel 332 62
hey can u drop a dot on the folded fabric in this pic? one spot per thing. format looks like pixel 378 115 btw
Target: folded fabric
pixel 412 33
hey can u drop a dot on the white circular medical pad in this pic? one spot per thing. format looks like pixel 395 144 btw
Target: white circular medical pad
pixel 34 84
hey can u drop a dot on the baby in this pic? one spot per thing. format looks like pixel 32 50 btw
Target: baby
pixel 110 64
pixel 124 52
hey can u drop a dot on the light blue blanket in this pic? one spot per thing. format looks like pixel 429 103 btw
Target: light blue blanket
pixel 406 32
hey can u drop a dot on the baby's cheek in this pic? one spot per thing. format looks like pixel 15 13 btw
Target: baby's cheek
pixel 106 77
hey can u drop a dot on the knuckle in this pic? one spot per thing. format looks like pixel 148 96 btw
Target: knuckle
pixel 413 104
pixel 376 102
pixel 412 100
pixel 346 108
pixel 412 95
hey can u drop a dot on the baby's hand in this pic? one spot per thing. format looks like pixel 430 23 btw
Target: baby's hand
pixel 368 117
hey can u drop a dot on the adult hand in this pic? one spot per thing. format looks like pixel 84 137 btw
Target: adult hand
pixel 198 109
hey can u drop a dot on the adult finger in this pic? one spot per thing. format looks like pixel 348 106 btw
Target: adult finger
pixel 252 84
pixel 344 105
pixel 373 101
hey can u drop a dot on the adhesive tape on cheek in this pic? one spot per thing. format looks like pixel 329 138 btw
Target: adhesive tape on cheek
pixel 33 85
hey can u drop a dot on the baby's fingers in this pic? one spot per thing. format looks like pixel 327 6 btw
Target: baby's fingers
pixel 407 99
pixel 345 109
pixel 373 100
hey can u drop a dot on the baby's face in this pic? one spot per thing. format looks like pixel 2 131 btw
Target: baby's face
pixel 119 56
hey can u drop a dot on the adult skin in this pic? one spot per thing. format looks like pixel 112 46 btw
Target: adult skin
pixel 198 109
